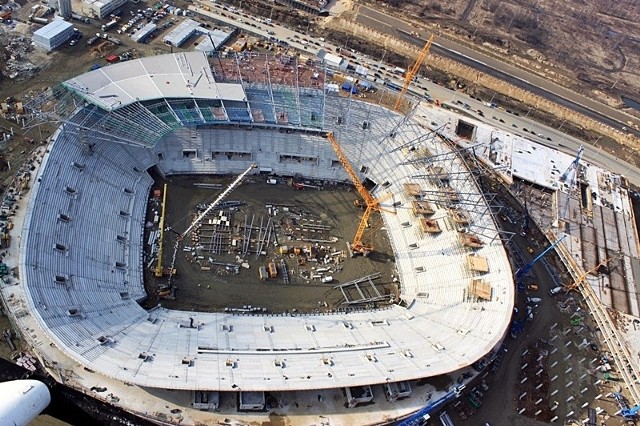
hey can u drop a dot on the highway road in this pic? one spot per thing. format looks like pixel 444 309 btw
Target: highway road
pixel 536 132
pixel 559 140
pixel 490 65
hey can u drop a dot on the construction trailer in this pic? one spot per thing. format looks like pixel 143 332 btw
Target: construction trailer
pixel 54 34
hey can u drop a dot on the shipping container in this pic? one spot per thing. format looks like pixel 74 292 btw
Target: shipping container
pixel 273 271
pixel 262 272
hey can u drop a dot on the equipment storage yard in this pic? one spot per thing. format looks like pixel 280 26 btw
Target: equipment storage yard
pixel 303 233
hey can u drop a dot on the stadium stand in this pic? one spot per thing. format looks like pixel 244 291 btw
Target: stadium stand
pixel 82 258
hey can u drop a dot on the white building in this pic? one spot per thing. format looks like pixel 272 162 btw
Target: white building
pixel 53 34
pixel 189 28
pixel 64 8
pixel 332 60
pixel 143 33
pixel 101 8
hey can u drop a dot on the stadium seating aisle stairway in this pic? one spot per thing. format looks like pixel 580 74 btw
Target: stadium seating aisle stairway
pixel 70 264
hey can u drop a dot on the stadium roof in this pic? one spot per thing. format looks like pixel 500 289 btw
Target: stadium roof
pixel 180 75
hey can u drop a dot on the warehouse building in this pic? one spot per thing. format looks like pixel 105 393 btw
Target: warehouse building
pixel 219 37
pixel 189 28
pixel 99 9
pixel 144 33
pixel 53 34
pixel 332 60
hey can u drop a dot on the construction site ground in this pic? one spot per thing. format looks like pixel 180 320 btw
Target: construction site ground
pixel 558 352
pixel 312 229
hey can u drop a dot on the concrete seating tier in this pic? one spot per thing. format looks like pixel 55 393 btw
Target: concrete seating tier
pixel 83 282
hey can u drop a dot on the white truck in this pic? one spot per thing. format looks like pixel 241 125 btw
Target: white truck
pixel 555 291
pixel 109 25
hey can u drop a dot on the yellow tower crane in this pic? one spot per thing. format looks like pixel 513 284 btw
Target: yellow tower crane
pixel 411 73
pixel 583 276
pixel 159 271
pixel 371 203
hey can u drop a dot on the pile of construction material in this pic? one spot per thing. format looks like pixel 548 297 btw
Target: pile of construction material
pixel 14 48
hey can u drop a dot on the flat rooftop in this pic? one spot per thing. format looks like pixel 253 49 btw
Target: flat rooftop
pixel 180 75
pixel 596 216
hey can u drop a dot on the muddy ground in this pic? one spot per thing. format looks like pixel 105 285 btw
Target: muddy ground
pixel 219 286
pixel 602 35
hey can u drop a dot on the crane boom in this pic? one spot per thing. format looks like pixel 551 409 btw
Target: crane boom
pixel 202 215
pixel 159 271
pixel 217 201
pixel 411 73
pixel 573 170
pixel 520 273
pixel 366 195
pixel 371 203
pixel 584 275
pixel 357 244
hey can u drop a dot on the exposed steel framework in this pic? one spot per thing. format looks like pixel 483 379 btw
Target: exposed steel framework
pixel 370 203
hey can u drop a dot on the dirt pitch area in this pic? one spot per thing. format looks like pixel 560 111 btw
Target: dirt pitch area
pixel 303 234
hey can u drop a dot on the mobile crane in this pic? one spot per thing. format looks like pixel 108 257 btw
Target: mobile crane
pixel 411 73
pixel 583 276
pixel 629 413
pixel 216 202
pixel 370 203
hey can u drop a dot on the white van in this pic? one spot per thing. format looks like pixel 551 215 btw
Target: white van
pixel 555 291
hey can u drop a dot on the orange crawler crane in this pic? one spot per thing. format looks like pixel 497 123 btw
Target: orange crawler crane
pixel 357 246
pixel 411 73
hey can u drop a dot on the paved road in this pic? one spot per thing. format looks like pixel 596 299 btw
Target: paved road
pixel 535 131
pixel 489 65
pixel 559 140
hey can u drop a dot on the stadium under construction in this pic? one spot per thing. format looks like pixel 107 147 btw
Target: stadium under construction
pixel 78 291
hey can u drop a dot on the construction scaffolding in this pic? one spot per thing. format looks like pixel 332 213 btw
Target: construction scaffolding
pixel 365 291
pixel 275 91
